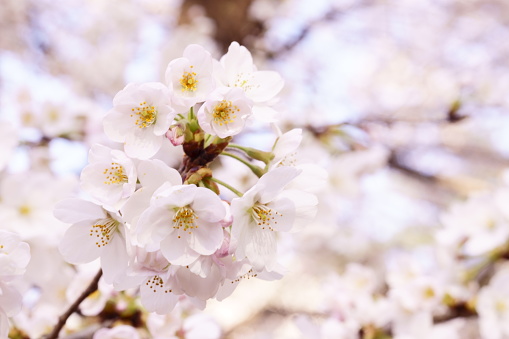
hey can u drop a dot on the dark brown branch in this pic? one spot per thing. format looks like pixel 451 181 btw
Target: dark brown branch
pixel 74 307
pixel 458 311
pixel 394 162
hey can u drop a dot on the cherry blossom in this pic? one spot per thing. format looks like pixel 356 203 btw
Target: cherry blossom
pixel 110 176
pixel 140 117
pixel 190 77
pixel 259 214
pixel 225 112
pixel 94 233
pixel 260 86
pixel 183 221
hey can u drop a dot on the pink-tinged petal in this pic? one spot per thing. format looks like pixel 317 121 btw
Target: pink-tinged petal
pixel 154 225
pixel 136 205
pixel 195 286
pixel 94 182
pixel 237 60
pixel 177 251
pixel 114 258
pixel 165 116
pixel 241 233
pixel 142 144
pixel 98 152
pixel 202 266
pixel 265 85
pixel 153 173
pixel 285 217
pixel 175 196
pixel 305 206
pixel 261 250
pixel 156 298
pixel 10 299
pixel 78 246
pixel 207 238
pixel 273 182
pixel 287 144
pixel 76 210
pixel 207 205
pixel 116 126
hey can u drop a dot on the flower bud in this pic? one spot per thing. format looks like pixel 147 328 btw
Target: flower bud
pixel 176 134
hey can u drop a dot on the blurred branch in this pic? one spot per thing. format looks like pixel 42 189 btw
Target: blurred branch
pixel 458 311
pixel 74 307
pixel 395 162
pixel 231 18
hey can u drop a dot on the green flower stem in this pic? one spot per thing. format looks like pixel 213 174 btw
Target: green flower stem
pixel 266 157
pixel 222 183
pixel 191 114
pixel 255 169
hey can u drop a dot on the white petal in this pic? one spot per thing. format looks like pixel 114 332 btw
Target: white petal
pixel 114 258
pixel 261 250
pixel 207 205
pixel 177 251
pixel 153 173
pixel 78 246
pixel 207 238
pixel 273 182
pixel 157 299
pixel 76 210
pixel 142 144
pixel 265 85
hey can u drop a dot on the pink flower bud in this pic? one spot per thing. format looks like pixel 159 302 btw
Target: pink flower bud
pixel 176 134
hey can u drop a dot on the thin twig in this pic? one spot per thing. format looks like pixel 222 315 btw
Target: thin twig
pixel 74 307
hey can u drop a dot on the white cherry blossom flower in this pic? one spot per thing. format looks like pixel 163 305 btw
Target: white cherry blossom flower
pixel 110 177
pixel 259 86
pixel 190 78
pixel 313 177
pixel 259 214
pixel 184 222
pixel 153 274
pixel 94 233
pixel 225 112
pixel 140 117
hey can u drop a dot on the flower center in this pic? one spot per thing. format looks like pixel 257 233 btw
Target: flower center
pixel 115 174
pixel 185 219
pixel 145 115
pixel 250 274
pixel 188 81
pixel 264 216
pixel 243 80
pixel 224 113
pixel 156 283
pixel 103 230
pixel 24 210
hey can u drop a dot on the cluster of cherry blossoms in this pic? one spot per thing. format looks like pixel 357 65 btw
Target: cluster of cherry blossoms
pixel 171 233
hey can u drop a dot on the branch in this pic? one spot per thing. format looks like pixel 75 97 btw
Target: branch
pixel 395 162
pixel 74 307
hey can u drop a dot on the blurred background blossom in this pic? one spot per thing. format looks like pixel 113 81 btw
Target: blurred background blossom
pixel 404 102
